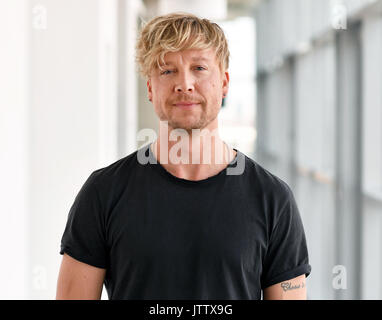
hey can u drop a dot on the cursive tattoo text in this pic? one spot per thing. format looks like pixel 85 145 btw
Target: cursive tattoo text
pixel 288 286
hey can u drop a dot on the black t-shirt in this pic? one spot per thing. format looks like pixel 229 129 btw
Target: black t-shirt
pixel 162 237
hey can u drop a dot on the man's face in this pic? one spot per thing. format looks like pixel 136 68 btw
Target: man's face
pixel 188 92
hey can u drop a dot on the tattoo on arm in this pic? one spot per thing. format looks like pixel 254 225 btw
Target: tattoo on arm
pixel 288 286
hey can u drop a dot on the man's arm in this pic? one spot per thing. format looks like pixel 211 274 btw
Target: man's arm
pixel 79 281
pixel 293 289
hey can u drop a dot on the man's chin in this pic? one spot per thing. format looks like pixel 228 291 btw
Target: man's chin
pixel 187 126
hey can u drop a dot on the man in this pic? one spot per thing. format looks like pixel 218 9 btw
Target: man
pixel 193 226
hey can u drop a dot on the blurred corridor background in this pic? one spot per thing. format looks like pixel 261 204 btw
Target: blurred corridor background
pixel 305 102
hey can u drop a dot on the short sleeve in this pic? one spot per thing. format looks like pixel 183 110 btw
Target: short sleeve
pixel 287 254
pixel 84 234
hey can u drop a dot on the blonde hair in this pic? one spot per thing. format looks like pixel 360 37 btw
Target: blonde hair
pixel 175 32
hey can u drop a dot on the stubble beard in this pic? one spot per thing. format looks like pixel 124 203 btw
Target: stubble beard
pixel 199 122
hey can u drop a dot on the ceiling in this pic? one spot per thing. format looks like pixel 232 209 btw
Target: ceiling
pixel 241 8
pixel 235 8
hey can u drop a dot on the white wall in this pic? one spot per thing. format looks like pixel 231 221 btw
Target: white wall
pixel 58 123
pixel 64 132
pixel 14 152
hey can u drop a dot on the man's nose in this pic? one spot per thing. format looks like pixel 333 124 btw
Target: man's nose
pixel 184 83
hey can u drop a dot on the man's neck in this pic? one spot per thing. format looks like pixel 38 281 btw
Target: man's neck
pixel 192 156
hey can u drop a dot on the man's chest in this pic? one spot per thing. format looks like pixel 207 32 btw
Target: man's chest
pixel 226 229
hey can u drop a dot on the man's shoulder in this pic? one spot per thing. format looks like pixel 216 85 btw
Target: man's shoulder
pixel 119 170
pixel 272 191
pixel 266 182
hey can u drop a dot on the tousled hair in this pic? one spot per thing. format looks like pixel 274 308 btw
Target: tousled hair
pixel 176 32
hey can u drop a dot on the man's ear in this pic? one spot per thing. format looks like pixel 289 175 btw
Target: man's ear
pixel 149 89
pixel 225 83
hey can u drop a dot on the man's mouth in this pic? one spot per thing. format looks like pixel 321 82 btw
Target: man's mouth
pixel 186 104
